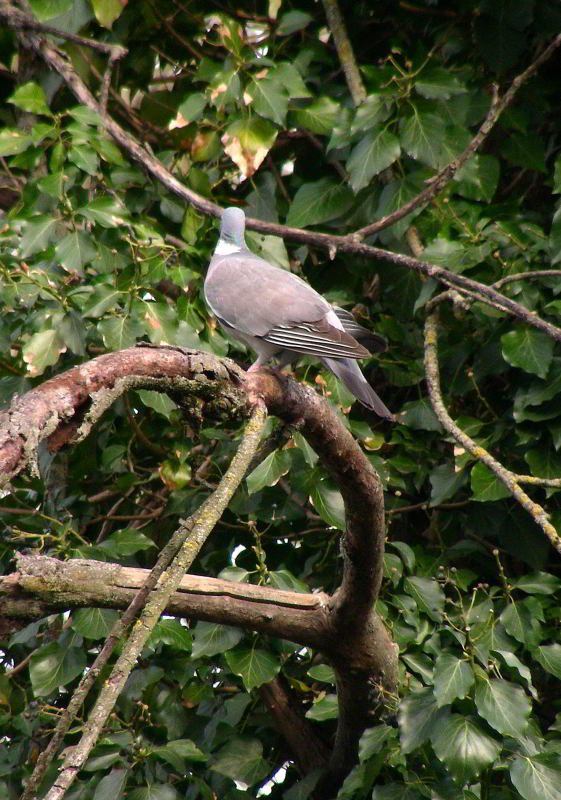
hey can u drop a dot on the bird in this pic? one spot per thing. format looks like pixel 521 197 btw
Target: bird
pixel 279 315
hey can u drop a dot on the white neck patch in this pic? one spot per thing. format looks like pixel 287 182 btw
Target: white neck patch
pixel 225 248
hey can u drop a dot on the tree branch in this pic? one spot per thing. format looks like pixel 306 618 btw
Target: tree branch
pixel 344 51
pixel 508 478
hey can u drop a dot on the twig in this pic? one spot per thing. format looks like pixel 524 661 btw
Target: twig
pixel 344 51
pixel 521 276
pixel 509 479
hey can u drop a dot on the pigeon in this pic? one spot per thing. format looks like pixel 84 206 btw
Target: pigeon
pixel 278 315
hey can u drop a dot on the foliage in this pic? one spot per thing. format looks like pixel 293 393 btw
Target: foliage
pixel 252 108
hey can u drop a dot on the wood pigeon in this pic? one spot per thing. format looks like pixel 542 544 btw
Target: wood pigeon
pixel 278 314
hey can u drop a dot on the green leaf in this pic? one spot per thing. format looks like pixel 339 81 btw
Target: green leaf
pixel 419 717
pixel 323 673
pixel 72 331
pixel 53 666
pixel 537 583
pixel 543 462
pixel 505 706
pixel 210 639
pixel 37 235
pixel 94 623
pixel 155 791
pixel 525 151
pixel 14 141
pixel 121 332
pixel 107 11
pixel 419 414
pixel 75 250
pixel 254 666
pixel 478 178
pixel 285 580
pixel 375 152
pixel 319 202
pixel 112 786
pixel 85 158
pixel 269 98
pixel 109 212
pixel 445 482
pixel 248 141
pixel 127 542
pixel 373 740
pixel 438 83
pixel 328 502
pixel 30 97
pixel 464 747
pixel 293 21
pixel 172 633
pixel 47 9
pixel 537 777
pixel 158 401
pixel 427 594
pixel 177 752
pixel 269 471
pixel 485 485
pixel 422 136
pixel 101 300
pixel 528 349
pixel 318 116
pixel 549 656
pixel 324 709
pixel 453 678
pixel 522 620
pixel 42 350
pixel 242 760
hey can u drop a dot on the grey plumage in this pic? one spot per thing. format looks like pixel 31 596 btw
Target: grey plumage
pixel 279 315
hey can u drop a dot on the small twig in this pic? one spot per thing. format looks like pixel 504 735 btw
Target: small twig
pixel 114 51
pixel 520 276
pixel 509 479
pixel 345 51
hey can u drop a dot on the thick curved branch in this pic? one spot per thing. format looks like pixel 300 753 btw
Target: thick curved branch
pixel 508 478
pixel 64 408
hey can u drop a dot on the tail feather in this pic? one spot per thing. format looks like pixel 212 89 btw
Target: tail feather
pixel 348 371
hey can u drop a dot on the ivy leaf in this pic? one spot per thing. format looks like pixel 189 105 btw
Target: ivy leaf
pixel 254 666
pixel 319 202
pixel 324 709
pixel 47 9
pixel 485 485
pixel 75 250
pixel 242 760
pixel 120 332
pixel 210 639
pixel 42 350
pixel 375 152
pixel 108 212
pixel 418 718
pixel 427 594
pixel 505 706
pixel 318 116
pixel 464 747
pixel 530 350
pixel 172 633
pixel 537 777
pixel 421 137
pixel 438 83
pixel 53 666
pixel 549 656
pixel 248 141
pixel 177 752
pixel 328 502
pixel 126 542
pixel 453 678
pixel 94 623
pixel 269 98
pixel 537 583
pixel 269 471
pixel 522 620
pixel 111 787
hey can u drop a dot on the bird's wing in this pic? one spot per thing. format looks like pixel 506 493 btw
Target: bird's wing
pixel 258 299
pixel 371 340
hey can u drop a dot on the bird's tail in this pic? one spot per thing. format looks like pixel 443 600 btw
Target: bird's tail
pixel 348 371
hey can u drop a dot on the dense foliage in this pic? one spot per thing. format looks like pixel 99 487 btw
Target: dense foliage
pixel 249 105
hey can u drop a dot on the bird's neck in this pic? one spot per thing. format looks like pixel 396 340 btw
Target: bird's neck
pixel 224 248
